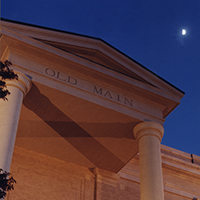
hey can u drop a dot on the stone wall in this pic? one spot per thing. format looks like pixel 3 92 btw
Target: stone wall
pixel 40 177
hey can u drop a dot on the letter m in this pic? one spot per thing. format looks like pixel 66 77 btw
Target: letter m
pixel 97 91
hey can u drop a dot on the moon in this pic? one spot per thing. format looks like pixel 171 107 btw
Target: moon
pixel 183 31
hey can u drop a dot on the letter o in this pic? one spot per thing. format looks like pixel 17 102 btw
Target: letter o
pixel 50 72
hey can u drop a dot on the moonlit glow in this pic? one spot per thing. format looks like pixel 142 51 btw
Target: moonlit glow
pixel 183 31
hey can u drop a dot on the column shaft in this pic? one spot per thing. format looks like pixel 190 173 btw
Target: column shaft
pixel 9 118
pixel 149 135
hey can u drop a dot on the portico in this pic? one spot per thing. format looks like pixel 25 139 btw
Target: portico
pixel 88 104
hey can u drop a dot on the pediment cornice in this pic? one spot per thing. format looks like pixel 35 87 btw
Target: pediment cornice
pixel 89 56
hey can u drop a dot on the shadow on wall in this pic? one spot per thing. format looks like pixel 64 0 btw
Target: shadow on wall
pixel 71 131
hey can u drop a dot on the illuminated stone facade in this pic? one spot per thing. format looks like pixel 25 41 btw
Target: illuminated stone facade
pixel 88 112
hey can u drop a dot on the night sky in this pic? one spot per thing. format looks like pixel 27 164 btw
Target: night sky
pixel 150 32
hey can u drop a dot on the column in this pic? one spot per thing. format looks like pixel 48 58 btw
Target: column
pixel 149 135
pixel 9 117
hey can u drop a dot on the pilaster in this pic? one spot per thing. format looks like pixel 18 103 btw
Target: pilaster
pixel 105 184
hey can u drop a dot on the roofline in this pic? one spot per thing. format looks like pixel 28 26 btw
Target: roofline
pixel 96 38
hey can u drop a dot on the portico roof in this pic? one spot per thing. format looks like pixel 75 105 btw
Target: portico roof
pixel 86 96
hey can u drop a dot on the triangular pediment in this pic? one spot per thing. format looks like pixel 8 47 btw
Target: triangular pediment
pixel 88 54
pixel 97 52
pixel 96 56
pixel 93 49
pixel 86 96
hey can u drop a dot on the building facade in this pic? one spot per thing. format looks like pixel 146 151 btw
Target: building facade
pixel 84 121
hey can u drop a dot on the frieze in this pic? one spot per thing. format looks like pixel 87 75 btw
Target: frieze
pixel 62 77
pixel 89 87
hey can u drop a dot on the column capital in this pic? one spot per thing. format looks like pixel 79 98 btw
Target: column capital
pixel 148 128
pixel 23 82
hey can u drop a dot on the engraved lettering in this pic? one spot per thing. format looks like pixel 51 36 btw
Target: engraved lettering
pixel 128 101
pixel 72 80
pixel 97 91
pixel 58 77
pixel 118 97
pixel 50 72
pixel 108 94
pixel 62 77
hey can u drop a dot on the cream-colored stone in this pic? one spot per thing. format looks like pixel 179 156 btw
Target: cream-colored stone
pixel 149 135
pixel 9 118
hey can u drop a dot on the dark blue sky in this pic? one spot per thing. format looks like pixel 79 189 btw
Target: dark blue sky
pixel 147 31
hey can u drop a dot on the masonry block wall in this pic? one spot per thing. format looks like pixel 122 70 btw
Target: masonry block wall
pixel 42 177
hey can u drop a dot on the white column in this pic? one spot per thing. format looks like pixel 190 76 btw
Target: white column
pixel 149 135
pixel 9 117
